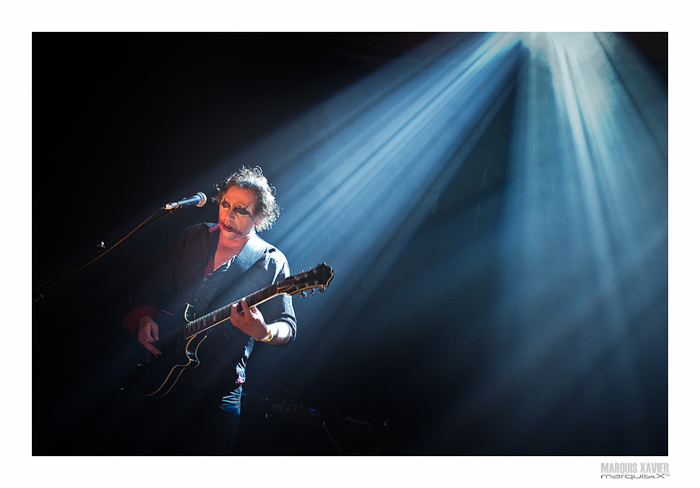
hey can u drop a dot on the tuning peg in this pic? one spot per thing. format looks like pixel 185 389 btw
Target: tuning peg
pixel 313 291
pixel 303 294
pixel 322 289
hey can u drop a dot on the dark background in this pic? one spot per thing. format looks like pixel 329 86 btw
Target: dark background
pixel 122 124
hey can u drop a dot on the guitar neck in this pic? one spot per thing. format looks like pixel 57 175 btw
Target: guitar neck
pixel 224 313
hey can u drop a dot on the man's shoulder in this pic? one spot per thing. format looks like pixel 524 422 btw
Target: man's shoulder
pixel 270 252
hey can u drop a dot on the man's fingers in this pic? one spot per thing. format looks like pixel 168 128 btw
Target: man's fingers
pixel 252 310
pixel 235 312
pixel 149 347
pixel 148 337
pixel 246 308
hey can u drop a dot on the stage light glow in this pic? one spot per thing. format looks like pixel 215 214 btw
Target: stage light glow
pixel 583 250
pixel 360 184
pixel 576 261
pixel 393 136
pixel 499 286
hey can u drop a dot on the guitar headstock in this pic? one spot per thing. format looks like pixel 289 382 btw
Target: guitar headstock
pixel 319 277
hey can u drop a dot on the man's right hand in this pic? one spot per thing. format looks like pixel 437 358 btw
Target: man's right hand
pixel 148 334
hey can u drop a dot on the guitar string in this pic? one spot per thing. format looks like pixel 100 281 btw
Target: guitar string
pixel 172 334
pixel 253 296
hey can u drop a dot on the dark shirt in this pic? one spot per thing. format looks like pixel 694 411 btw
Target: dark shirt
pixel 184 275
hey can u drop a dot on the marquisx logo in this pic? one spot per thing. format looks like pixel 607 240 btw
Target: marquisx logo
pixel 634 471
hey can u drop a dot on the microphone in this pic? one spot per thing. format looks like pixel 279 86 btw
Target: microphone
pixel 199 200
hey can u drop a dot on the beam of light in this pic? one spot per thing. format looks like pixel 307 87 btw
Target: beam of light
pixel 583 251
pixel 576 258
pixel 357 182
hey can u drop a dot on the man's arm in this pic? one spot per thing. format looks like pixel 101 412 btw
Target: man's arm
pixel 252 322
pixel 280 333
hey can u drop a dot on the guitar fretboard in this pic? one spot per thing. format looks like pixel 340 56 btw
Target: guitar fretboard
pixel 220 315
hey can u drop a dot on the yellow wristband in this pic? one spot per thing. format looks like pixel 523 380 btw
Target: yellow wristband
pixel 268 339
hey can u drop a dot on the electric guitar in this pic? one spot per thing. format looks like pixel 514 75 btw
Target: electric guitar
pixel 158 374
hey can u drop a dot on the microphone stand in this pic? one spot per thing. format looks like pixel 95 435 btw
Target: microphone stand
pixel 85 262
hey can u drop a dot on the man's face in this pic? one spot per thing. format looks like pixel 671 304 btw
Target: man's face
pixel 237 216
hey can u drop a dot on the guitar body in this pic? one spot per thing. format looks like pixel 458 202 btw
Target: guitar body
pixel 155 376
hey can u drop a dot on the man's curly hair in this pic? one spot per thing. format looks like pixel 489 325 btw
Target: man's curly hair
pixel 253 179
